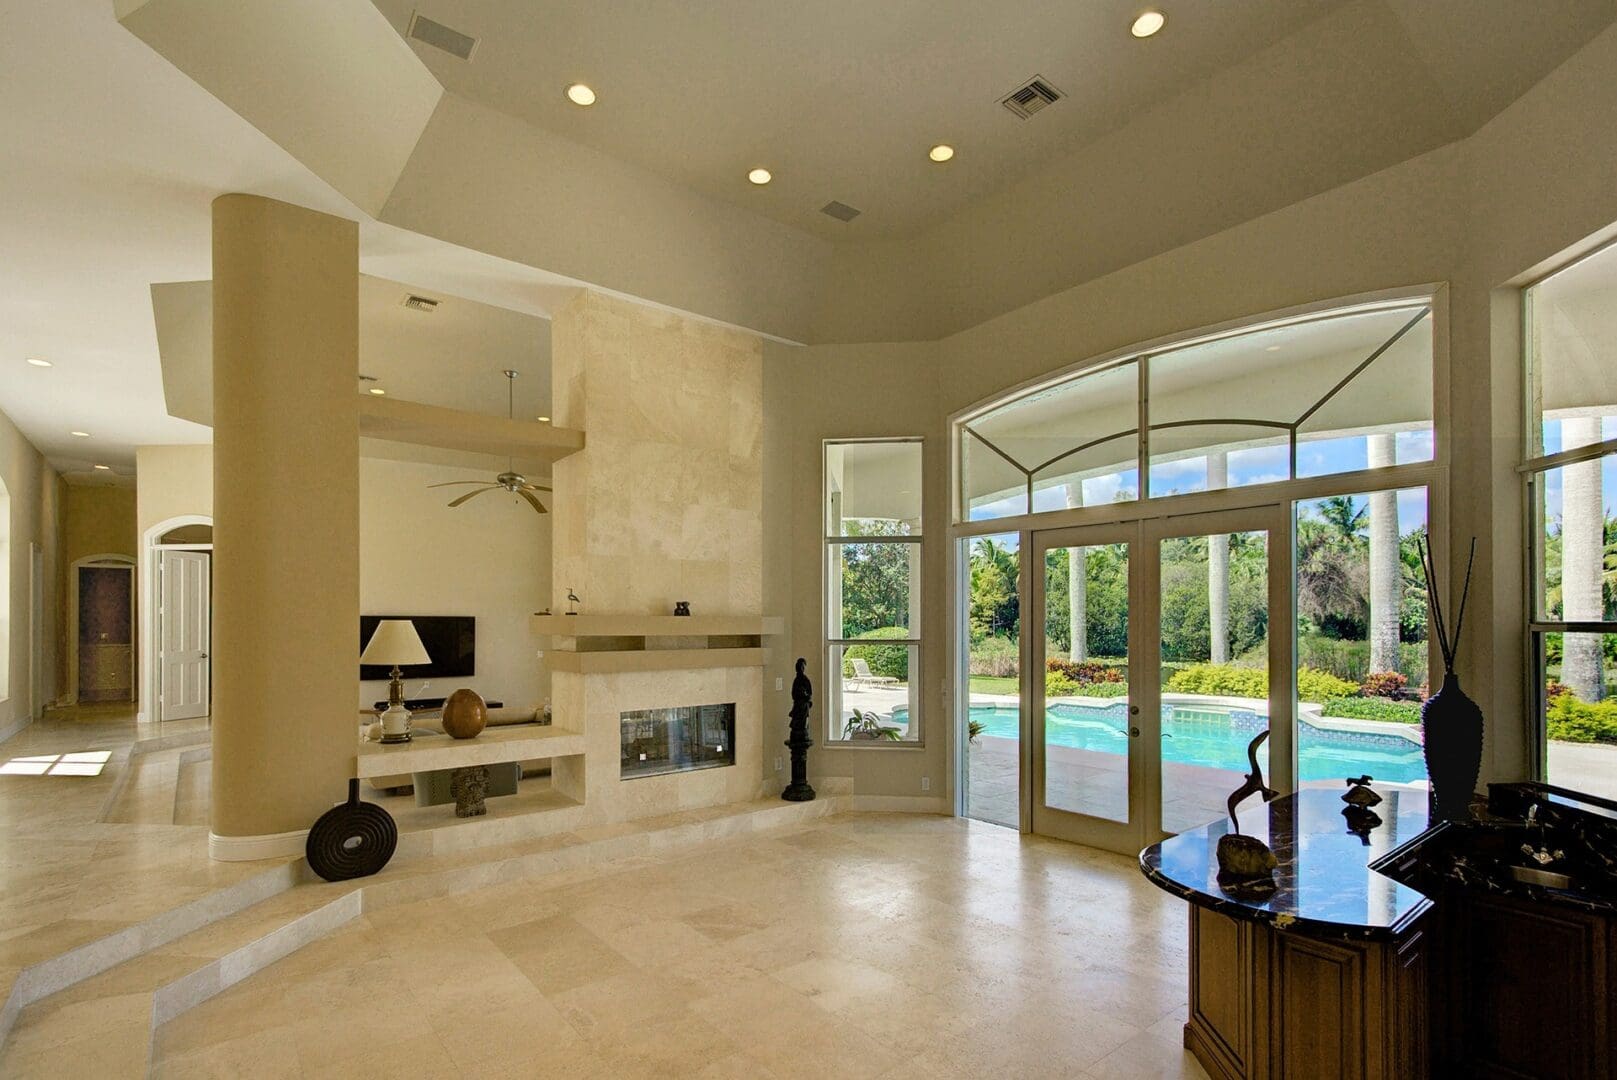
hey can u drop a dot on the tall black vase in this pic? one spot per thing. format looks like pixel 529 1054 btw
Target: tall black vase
pixel 1451 724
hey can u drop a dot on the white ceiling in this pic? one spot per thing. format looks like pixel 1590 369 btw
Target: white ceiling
pixel 841 99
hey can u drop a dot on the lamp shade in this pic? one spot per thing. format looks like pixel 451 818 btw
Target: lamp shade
pixel 395 643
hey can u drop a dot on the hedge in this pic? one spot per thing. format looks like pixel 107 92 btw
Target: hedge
pixel 892 661
pixel 1059 685
pixel 1572 720
pixel 1227 680
pixel 1373 708
pixel 997 656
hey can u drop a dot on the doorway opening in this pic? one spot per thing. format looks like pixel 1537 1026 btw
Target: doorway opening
pixel 101 630
pixel 176 600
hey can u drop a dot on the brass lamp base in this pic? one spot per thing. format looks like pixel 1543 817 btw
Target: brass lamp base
pixel 396 720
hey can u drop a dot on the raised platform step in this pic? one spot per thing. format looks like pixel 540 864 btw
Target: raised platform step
pixel 95 1010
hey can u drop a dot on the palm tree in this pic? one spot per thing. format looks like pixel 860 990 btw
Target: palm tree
pixel 1344 515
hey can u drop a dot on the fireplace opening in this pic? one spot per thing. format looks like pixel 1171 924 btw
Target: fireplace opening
pixel 658 741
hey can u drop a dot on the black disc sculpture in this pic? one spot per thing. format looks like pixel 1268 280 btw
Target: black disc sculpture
pixel 798 741
pixel 352 839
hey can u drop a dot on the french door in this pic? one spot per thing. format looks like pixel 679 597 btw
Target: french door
pixel 1126 738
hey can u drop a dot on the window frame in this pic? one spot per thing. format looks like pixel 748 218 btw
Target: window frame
pixel 831 641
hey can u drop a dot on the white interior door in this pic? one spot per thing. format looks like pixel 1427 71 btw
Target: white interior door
pixel 184 619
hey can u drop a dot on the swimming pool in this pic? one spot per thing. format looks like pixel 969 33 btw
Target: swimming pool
pixel 1218 739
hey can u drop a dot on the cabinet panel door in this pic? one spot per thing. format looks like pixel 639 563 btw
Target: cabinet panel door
pixel 1316 1000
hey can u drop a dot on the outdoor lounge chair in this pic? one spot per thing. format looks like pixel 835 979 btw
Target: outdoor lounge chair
pixel 862 675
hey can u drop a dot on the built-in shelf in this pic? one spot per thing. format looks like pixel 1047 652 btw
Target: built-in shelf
pixel 613 661
pixel 658 625
pixel 428 753
pixel 396 420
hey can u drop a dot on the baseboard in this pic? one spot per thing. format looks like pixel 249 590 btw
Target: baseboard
pixel 249 848
pixel 15 726
pixel 902 804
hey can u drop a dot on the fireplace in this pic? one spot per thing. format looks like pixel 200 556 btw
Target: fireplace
pixel 659 741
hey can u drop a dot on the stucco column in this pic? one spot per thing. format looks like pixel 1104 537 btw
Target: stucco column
pixel 1582 544
pixel 1077 586
pixel 286 521
pixel 1386 577
pixel 1218 567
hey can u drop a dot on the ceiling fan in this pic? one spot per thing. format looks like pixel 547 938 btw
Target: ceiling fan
pixel 509 480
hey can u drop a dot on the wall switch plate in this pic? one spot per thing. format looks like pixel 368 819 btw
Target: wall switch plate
pixel 780 684
pixel 777 760
pixel 926 783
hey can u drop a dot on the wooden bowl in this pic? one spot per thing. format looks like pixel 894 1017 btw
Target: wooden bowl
pixel 465 715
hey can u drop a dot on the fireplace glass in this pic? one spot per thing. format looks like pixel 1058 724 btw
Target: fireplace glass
pixel 657 741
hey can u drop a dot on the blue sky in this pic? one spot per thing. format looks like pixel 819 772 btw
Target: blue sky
pixel 1259 465
pixel 1552 479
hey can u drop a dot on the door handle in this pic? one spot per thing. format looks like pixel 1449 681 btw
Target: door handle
pixel 204 656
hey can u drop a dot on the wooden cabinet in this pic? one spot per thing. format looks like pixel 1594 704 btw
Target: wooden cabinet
pixel 1530 989
pixel 1268 1003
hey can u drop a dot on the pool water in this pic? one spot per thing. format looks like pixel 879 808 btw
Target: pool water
pixel 1192 737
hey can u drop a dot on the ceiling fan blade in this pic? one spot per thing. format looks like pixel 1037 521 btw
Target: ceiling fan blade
pixel 537 487
pixel 453 483
pixel 533 502
pixel 469 495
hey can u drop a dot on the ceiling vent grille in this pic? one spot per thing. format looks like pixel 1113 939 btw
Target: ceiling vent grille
pixel 442 37
pixel 420 303
pixel 839 210
pixel 1031 97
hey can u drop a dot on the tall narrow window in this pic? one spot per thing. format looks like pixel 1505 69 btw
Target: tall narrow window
pixel 873 590
pixel 1571 366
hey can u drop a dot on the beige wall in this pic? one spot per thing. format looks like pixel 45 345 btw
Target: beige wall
pixel 171 482
pixel 489 558
pixel 31 503
pixel 664 503
pixel 96 519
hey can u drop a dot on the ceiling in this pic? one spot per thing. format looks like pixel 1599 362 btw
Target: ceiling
pixel 842 99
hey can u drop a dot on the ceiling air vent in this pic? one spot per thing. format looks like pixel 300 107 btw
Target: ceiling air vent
pixel 442 37
pixel 839 210
pixel 420 303
pixel 1032 96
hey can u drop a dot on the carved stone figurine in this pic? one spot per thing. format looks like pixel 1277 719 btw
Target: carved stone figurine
pixel 469 785
pixel 1245 863
pixel 798 741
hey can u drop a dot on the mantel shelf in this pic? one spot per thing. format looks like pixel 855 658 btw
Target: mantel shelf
pixel 616 661
pixel 658 625
pixel 517 742
pixel 396 420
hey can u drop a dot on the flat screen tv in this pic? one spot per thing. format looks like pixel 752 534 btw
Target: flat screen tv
pixel 451 642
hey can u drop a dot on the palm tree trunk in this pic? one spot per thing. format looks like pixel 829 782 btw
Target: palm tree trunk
pixel 1386 576
pixel 1077 586
pixel 1582 543
pixel 1218 568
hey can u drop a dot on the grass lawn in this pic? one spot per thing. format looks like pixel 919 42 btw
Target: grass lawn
pixel 990 684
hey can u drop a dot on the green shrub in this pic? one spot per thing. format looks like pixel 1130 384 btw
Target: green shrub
pixel 1104 689
pixel 1384 684
pixel 1227 680
pixel 1085 671
pixel 892 661
pixel 1572 720
pixel 1351 659
pixel 1058 685
pixel 1374 708
pixel 994 655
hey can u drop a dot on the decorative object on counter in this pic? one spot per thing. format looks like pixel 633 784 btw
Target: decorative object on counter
pixel 867 726
pixel 572 601
pixel 1451 723
pixel 682 607
pixel 510 480
pixel 465 714
pixel 1360 793
pixel 1360 797
pixel 1245 863
pixel 352 839
pixel 469 785
pixel 395 643
pixel 542 714
pixel 798 740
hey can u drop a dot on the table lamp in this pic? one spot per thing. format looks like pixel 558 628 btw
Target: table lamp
pixel 395 643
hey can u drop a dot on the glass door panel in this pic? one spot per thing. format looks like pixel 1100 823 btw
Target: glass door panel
pixel 992 757
pixel 1213 610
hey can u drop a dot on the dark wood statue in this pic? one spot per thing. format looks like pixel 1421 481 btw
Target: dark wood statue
pixel 798 740
pixel 1245 863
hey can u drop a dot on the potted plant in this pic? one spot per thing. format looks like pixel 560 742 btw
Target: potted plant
pixel 974 728
pixel 868 726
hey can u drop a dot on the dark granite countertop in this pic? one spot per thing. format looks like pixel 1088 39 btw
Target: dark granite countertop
pixel 1325 887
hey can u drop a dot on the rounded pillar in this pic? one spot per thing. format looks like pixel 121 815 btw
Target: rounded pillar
pixel 286 521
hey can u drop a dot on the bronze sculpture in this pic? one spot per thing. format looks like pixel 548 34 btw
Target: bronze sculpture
pixel 798 740
pixel 1245 863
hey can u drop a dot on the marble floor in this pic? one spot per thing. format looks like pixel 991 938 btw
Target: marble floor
pixel 864 945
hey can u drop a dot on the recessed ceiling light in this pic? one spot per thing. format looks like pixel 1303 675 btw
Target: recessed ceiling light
pixel 760 176
pixel 941 152
pixel 80 434
pixel 1148 23
pixel 38 362
pixel 579 94
pixel 378 391
pixel 104 468
pixel 543 419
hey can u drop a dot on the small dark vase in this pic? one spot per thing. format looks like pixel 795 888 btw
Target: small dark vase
pixel 1451 724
